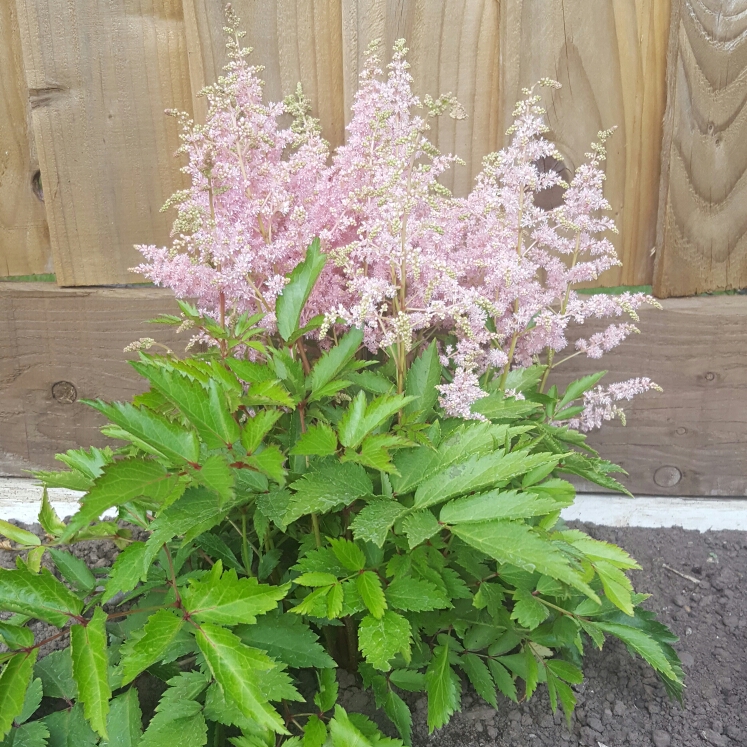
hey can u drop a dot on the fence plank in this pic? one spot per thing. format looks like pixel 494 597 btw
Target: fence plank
pixel 100 76
pixel 690 440
pixel 611 62
pixel 24 236
pixel 702 234
pixel 294 40
pixel 454 47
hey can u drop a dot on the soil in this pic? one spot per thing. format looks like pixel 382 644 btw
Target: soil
pixel 621 702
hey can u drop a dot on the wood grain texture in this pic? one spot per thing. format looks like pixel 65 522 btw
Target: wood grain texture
pixel 50 335
pixel 702 233
pixel 454 48
pixel 610 58
pixel 99 77
pixel 24 236
pixel 295 41
pixel 697 427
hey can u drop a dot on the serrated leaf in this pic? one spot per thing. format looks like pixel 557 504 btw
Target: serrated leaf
pixel 362 417
pixel 598 550
pixel 16 636
pixel 316 578
pixel 616 585
pixel 331 486
pixel 408 679
pixel 34 734
pixel 291 301
pixel 236 668
pixel 503 680
pixel 170 439
pixel 286 638
pixel 479 675
pixel 257 427
pixel 203 405
pixel 185 731
pixel 419 527
pixel 329 689
pixel 31 701
pixel 69 728
pixel 319 440
pixel 16 534
pixel 565 670
pixel 415 595
pixel 119 483
pixel 269 461
pixel 56 673
pixel 73 570
pixel 14 681
pixel 216 475
pixel 421 381
pixel 381 639
pixel 229 600
pixel 373 522
pixel 38 595
pixel 496 407
pixel 124 723
pixel 576 388
pixel 443 689
pixel 50 522
pixel 343 732
pixel 372 593
pixel 477 473
pixel 128 569
pixel 497 504
pixel 90 669
pixel 372 382
pixel 528 611
pixel 348 553
pixel 315 732
pixel 159 632
pixel 516 543
pixel 334 360
pixel 641 643
pixel 267 393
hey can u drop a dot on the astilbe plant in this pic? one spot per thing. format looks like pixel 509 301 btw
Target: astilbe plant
pixel 361 468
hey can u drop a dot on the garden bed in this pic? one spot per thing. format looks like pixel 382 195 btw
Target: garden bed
pixel 621 702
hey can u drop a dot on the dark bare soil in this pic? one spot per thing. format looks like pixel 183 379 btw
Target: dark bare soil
pixel 621 703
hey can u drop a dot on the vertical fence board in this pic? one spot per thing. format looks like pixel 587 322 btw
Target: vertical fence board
pixel 100 76
pixel 611 61
pixel 702 236
pixel 295 41
pixel 24 236
pixel 454 48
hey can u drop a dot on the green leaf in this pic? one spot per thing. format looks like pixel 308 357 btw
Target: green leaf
pixel 38 595
pixel 34 734
pixel 236 667
pixel 124 723
pixel 343 733
pixel 331 486
pixel 256 428
pixel 319 440
pixel 415 595
pixel 334 361
pixel 372 594
pixel 641 643
pixel 119 483
pixel 371 382
pixel 497 504
pixel 329 689
pixel 56 673
pixel 349 554
pixel 265 393
pixel 170 439
pixel 419 527
pixel 421 381
pixel 14 681
pixel 291 301
pixel 73 570
pixel 516 543
pixel 16 636
pixel 70 729
pixel 577 388
pixel 565 670
pixel 286 638
pixel 204 406
pixel 139 653
pixel 269 461
pixel 479 675
pixel 50 522
pixel 503 680
pixel 16 534
pixel 381 639
pixel 443 688
pixel 31 701
pixel 375 520
pixel 476 474
pixel 315 732
pixel 495 407
pixel 90 669
pixel 129 568
pixel 361 418
pixel 408 679
pixel 374 451
pixel 185 727
pixel 528 611
pixel 598 550
pixel 316 578
pixel 229 600
pixel 617 586
pixel 215 474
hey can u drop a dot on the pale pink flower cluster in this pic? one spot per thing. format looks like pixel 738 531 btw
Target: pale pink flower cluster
pixel 492 273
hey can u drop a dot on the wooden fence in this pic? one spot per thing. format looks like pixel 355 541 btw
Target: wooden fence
pixel 86 161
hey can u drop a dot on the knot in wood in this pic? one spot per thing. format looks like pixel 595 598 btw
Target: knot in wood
pixel 64 392
pixel 667 476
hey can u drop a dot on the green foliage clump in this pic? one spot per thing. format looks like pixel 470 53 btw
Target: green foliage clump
pixel 302 510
